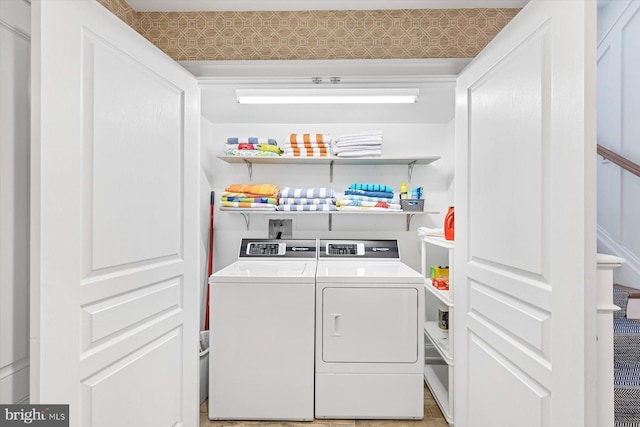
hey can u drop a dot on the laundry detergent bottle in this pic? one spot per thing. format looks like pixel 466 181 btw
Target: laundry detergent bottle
pixel 448 224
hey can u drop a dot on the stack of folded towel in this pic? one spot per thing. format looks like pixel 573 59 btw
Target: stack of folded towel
pixel 307 199
pixel 250 196
pixel 307 145
pixel 369 197
pixel 365 144
pixel 252 146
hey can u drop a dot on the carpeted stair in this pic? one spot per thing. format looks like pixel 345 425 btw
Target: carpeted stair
pixel 626 358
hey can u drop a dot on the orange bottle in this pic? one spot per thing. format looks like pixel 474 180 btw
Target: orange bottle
pixel 448 224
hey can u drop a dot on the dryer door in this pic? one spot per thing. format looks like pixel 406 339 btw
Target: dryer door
pixel 370 325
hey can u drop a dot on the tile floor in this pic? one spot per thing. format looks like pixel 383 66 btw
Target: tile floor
pixel 432 418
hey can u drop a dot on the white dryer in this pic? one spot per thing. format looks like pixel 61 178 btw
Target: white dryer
pixel 262 332
pixel 369 340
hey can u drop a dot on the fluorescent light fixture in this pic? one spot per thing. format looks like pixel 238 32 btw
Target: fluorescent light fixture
pixel 328 96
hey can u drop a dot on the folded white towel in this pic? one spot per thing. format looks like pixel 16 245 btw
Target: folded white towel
pixel 361 153
pixel 435 232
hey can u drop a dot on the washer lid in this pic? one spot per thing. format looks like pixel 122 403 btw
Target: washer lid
pixel 266 271
pixel 366 271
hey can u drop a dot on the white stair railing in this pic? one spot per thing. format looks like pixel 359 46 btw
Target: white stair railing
pixel 604 330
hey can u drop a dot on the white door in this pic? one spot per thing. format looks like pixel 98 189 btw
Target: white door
pixel 525 223
pixel 114 329
pixel 355 321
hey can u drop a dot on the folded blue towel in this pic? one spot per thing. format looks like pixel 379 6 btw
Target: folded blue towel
pixel 305 201
pixel 307 208
pixel 371 187
pixel 250 140
pixel 308 193
pixel 370 193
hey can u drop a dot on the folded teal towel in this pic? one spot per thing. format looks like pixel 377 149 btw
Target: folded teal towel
pixel 371 187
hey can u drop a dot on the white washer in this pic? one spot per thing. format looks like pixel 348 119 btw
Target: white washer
pixel 369 340
pixel 262 332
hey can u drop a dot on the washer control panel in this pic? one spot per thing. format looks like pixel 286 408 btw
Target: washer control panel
pixel 275 248
pixel 258 248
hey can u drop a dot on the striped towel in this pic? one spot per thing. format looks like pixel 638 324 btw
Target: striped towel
pixel 306 145
pixel 309 137
pixel 306 152
pixel 243 195
pixel 260 147
pixel 309 193
pixel 369 193
pixel 346 202
pixel 258 189
pixel 371 187
pixel 371 199
pixel 270 200
pixel 251 140
pixel 251 153
pixel 305 201
pixel 307 208
pixel 247 205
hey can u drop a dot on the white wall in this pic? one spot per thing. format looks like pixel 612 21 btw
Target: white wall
pixel 14 196
pixel 407 131
pixel 619 130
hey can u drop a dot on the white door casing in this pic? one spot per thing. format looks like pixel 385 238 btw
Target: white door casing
pixel 114 275
pixel 14 201
pixel 525 223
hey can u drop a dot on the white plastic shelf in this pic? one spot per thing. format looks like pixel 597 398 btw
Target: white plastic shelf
pixel 443 295
pixel 437 379
pixel 440 340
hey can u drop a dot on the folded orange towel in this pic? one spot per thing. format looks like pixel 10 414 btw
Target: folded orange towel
pixel 257 189
pixel 306 145
pixel 309 137
pixel 304 152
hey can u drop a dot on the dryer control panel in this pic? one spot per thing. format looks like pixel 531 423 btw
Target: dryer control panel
pixel 334 248
pixel 367 249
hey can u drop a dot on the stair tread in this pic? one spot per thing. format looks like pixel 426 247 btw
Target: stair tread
pixel 626 326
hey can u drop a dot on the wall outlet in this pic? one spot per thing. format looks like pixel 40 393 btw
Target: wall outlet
pixel 280 229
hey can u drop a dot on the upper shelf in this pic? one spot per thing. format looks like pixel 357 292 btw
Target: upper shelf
pixel 382 160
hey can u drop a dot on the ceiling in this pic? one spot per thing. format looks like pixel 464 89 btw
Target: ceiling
pixel 275 5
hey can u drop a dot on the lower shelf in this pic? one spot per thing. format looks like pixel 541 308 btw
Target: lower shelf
pixel 437 379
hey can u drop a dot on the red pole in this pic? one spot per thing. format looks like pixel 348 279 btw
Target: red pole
pixel 210 269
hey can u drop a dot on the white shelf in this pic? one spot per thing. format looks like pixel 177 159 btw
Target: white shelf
pixel 247 212
pixel 410 162
pixel 443 295
pixel 437 379
pixel 382 160
pixel 439 241
pixel 439 339
pixel 440 378
pixel 363 212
